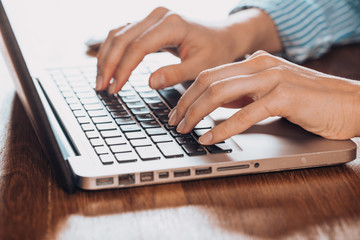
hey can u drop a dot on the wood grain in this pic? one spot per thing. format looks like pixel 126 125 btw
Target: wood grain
pixel 311 204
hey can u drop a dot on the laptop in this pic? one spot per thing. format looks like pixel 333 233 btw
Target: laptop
pixel 94 140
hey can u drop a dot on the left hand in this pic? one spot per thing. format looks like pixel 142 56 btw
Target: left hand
pixel 264 86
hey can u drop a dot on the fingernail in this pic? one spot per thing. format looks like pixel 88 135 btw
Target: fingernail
pixel 206 138
pixel 173 118
pixel 99 81
pixel 181 126
pixel 111 89
pixel 157 81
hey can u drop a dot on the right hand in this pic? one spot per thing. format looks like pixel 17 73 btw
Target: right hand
pixel 199 47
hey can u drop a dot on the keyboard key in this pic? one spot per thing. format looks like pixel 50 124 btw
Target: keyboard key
pixel 155 131
pixel 71 100
pixel 89 107
pixel 218 148
pixel 164 119
pixel 115 141
pixel 80 113
pixel 92 134
pixel 193 149
pixel 204 124
pixel 97 113
pixel 185 140
pixel 144 117
pixel 150 124
pixel 102 150
pixel 106 119
pixel 82 120
pixel 148 153
pixel 85 94
pixel 75 106
pixel 150 100
pixel 161 112
pixel 170 150
pixel 116 108
pixel 89 101
pixel 140 142
pixel 137 111
pixel 120 148
pixel 168 127
pixel 110 133
pixel 106 126
pixel 96 142
pixel 124 121
pixel 161 138
pixel 120 114
pixel 155 106
pixel 110 101
pixel 148 94
pixel 137 104
pixel 124 93
pixel 130 99
pixel 130 128
pixel 107 158
pixel 171 96
pixel 126 157
pixel 135 135
pixel 87 127
pixel 199 132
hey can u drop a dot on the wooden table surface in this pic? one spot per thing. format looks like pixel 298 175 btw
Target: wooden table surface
pixel 313 203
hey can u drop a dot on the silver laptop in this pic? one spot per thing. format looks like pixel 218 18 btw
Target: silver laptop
pixel 94 140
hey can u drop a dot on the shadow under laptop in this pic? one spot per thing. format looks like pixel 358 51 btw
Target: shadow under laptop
pixel 270 205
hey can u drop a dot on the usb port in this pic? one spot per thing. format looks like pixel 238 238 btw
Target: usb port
pixel 163 174
pixel 147 177
pixel 104 181
pixel 182 173
pixel 203 171
pixel 126 179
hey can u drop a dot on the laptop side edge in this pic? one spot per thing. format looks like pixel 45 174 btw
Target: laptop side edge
pixel 36 106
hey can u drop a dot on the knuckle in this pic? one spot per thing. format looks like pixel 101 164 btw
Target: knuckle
pixel 173 18
pixel 112 32
pixel 191 112
pixel 204 78
pixel 135 46
pixel 266 59
pixel 215 90
pixel 159 11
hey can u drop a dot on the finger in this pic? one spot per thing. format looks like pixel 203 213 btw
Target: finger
pixel 226 91
pixel 177 73
pixel 258 62
pixel 265 107
pixel 115 45
pixel 170 31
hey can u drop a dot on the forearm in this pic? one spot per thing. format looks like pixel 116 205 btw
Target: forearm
pixel 250 30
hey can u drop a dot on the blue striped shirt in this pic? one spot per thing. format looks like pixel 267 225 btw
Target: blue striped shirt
pixel 308 28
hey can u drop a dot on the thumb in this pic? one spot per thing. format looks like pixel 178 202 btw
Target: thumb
pixel 173 74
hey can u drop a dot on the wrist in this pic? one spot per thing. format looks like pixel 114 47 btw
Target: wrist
pixel 251 30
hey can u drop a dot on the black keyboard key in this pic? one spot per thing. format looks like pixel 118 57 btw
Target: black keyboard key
pixel 155 106
pixel 148 153
pixel 115 108
pixel 107 158
pixel 110 101
pixel 171 96
pixel 120 114
pixel 164 119
pixel 161 112
pixel 168 127
pixel 130 128
pixel 218 148
pixel 155 131
pixel 193 149
pixel 144 117
pixel 170 150
pixel 150 124
pixel 126 157
pixel 185 140
pixel 124 121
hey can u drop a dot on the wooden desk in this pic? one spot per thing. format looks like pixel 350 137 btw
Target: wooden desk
pixel 312 203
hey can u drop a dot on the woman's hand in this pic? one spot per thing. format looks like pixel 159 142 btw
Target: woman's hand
pixel 265 86
pixel 199 47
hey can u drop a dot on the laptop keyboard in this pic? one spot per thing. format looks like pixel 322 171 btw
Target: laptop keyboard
pixel 133 124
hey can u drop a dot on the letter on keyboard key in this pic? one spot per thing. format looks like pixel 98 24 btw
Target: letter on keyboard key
pixel 148 153
pixel 170 150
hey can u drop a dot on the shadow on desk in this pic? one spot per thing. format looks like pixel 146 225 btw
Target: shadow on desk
pixel 273 205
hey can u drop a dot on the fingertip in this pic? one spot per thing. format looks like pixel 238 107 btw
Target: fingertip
pixel 157 81
pixel 99 83
pixel 206 138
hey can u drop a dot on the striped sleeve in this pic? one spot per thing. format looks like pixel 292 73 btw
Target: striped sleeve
pixel 308 28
